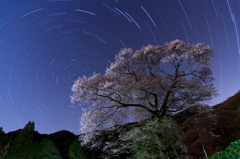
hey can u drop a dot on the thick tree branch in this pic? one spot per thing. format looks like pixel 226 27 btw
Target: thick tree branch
pixel 124 105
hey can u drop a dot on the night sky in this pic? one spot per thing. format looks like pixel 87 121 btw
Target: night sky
pixel 45 45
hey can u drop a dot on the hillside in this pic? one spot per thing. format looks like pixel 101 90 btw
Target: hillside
pixel 214 130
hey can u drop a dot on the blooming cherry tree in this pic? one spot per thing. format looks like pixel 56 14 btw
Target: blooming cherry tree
pixel 154 82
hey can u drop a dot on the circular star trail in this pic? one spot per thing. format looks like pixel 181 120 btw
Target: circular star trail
pixel 45 45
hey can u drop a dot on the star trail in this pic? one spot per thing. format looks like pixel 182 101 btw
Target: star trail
pixel 45 45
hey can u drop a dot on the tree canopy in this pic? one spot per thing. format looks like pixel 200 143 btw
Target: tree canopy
pixel 156 81
pixel 22 146
pixel 30 126
pixel 47 149
pixel 76 151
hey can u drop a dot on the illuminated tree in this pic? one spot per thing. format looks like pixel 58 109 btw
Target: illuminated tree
pixel 152 140
pixel 154 82
pixel 155 140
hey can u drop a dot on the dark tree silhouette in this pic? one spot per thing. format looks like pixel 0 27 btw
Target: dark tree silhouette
pixel 30 126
